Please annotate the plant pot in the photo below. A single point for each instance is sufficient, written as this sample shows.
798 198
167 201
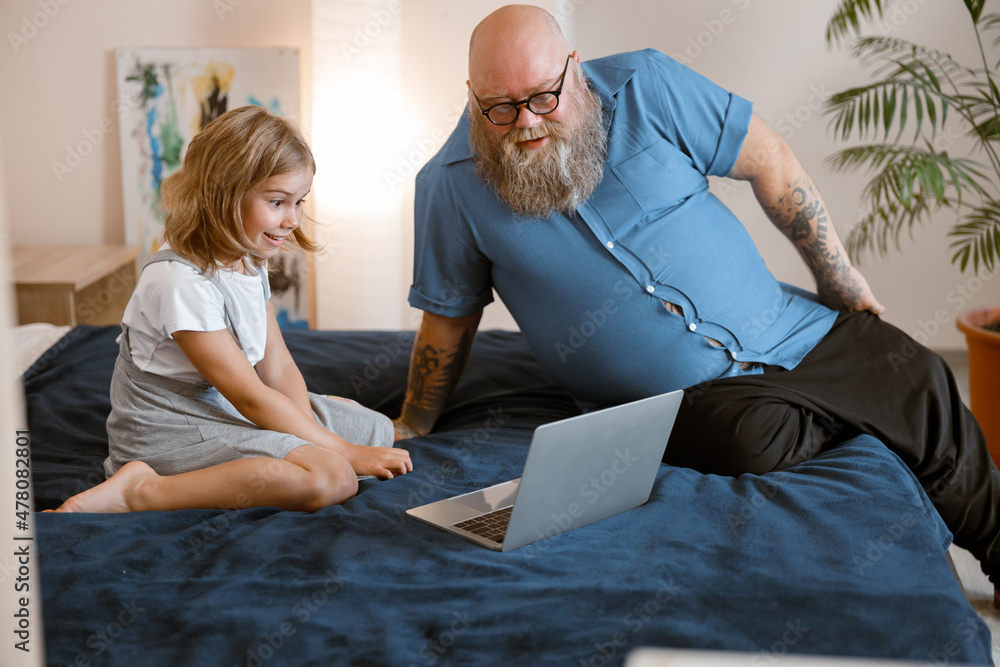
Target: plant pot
984 372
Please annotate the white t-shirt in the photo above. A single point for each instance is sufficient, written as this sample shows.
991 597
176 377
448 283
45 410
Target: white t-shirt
171 296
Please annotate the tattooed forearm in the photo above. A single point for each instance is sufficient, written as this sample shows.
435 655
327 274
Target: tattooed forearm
426 362
801 216
792 202
434 371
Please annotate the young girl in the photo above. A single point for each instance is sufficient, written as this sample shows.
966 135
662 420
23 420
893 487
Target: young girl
208 408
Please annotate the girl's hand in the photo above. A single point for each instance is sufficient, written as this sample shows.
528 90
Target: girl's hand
383 462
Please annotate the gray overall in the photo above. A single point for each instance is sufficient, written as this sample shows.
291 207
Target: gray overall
177 426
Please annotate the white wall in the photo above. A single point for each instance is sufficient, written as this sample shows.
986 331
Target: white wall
59 90
60 84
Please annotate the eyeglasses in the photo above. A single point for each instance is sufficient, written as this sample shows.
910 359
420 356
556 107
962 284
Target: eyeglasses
539 103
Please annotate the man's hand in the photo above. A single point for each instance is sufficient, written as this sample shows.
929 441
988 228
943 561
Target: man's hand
848 291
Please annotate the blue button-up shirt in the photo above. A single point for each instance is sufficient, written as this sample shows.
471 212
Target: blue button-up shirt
588 289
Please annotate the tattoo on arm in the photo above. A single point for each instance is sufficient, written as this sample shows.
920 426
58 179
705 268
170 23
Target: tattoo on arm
435 373
802 218
425 363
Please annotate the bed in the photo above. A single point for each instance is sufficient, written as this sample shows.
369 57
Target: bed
840 556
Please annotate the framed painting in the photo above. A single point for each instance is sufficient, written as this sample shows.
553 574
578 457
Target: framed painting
165 97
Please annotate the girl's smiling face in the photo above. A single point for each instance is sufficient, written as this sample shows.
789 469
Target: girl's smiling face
273 210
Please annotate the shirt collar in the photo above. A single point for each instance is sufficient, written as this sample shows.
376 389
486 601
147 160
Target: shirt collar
605 78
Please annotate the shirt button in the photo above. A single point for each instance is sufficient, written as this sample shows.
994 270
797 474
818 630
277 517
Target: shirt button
610 245
650 289
692 326
735 357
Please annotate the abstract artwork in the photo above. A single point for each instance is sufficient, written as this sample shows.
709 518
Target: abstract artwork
165 97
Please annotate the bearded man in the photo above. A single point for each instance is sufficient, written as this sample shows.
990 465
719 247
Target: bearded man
579 193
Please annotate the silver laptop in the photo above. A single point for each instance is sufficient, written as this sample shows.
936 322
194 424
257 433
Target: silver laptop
578 471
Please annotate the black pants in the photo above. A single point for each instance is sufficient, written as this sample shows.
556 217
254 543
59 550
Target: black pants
865 376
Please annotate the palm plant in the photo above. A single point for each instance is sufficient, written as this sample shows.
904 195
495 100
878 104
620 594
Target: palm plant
919 87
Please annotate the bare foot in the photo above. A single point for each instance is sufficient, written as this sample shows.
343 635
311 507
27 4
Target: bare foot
117 494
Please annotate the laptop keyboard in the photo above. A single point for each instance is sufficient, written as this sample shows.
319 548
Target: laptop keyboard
492 525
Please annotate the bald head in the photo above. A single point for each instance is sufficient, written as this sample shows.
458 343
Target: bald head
513 45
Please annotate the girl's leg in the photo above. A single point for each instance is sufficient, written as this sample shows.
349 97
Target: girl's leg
307 479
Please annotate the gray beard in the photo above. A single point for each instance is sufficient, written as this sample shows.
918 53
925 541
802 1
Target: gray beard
558 177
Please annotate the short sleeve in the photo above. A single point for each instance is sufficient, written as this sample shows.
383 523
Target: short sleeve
176 298
451 275
705 121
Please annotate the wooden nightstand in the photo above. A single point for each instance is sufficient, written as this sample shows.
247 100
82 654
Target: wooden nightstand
73 284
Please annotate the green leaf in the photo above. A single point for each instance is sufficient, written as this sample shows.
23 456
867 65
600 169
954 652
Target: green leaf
995 91
989 130
907 181
934 181
975 8
865 109
956 181
847 18
875 113
977 237
989 251
871 107
902 112
931 115
931 77
889 110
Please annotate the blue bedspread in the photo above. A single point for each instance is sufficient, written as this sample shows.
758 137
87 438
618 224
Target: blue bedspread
842 555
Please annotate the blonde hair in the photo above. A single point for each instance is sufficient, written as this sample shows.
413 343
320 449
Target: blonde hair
234 154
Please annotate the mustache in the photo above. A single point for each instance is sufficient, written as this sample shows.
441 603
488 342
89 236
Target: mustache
547 128
560 176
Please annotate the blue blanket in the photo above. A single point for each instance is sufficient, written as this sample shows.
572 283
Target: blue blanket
842 555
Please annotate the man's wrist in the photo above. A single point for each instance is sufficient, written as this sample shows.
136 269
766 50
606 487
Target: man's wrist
417 420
